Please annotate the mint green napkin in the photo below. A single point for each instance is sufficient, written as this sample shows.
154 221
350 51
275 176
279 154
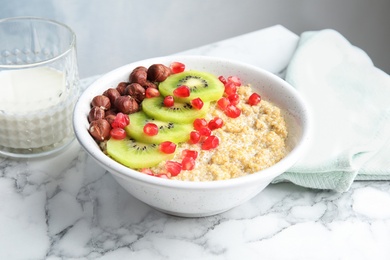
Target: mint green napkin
350 103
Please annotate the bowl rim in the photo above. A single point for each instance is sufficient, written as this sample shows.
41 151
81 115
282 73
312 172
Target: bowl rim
119 170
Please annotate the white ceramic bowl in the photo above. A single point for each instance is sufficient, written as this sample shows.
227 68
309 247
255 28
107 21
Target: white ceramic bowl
197 199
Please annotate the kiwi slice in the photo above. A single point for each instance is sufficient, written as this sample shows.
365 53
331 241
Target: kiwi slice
136 155
171 131
202 84
180 112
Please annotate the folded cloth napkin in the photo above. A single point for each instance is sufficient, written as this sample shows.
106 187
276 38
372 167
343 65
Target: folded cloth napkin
350 104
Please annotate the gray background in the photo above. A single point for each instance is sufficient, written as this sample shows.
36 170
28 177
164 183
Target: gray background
111 33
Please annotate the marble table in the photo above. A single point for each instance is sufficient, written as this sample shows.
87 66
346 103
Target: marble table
65 206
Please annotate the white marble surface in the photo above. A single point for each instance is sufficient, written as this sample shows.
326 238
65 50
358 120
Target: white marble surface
67 207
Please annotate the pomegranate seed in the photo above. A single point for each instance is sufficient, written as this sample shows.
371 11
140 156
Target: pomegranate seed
215 123
254 99
150 129
234 99
222 79
162 175
230 88
120 121
167 147
223 102
147 171
174 168
205 131
211 142
199 123
182 91
118 133
188 163
197 103
190 153
194 137
169 101
236 80
232 111
177 67
152 92
126 118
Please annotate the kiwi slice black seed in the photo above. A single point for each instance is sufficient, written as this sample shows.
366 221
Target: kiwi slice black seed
202 84
136 155
167 131
180 112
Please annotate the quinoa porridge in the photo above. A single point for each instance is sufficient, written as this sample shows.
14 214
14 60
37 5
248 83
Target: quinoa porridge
250 143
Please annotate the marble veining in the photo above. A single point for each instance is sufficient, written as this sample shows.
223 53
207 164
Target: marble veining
65 206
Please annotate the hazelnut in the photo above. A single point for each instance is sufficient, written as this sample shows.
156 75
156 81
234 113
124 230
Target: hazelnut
121 87
126 104
112 94
111 112
110 118
102 102
100 129
136 91
96 113
138 75
149 84
158 72
110 115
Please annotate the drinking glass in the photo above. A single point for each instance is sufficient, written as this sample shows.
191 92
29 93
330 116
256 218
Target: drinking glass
39 85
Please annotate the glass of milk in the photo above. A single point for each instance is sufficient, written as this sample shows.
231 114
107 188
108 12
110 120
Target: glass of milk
39 86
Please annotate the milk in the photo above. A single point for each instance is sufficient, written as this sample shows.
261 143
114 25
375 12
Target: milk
35 108
23 91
